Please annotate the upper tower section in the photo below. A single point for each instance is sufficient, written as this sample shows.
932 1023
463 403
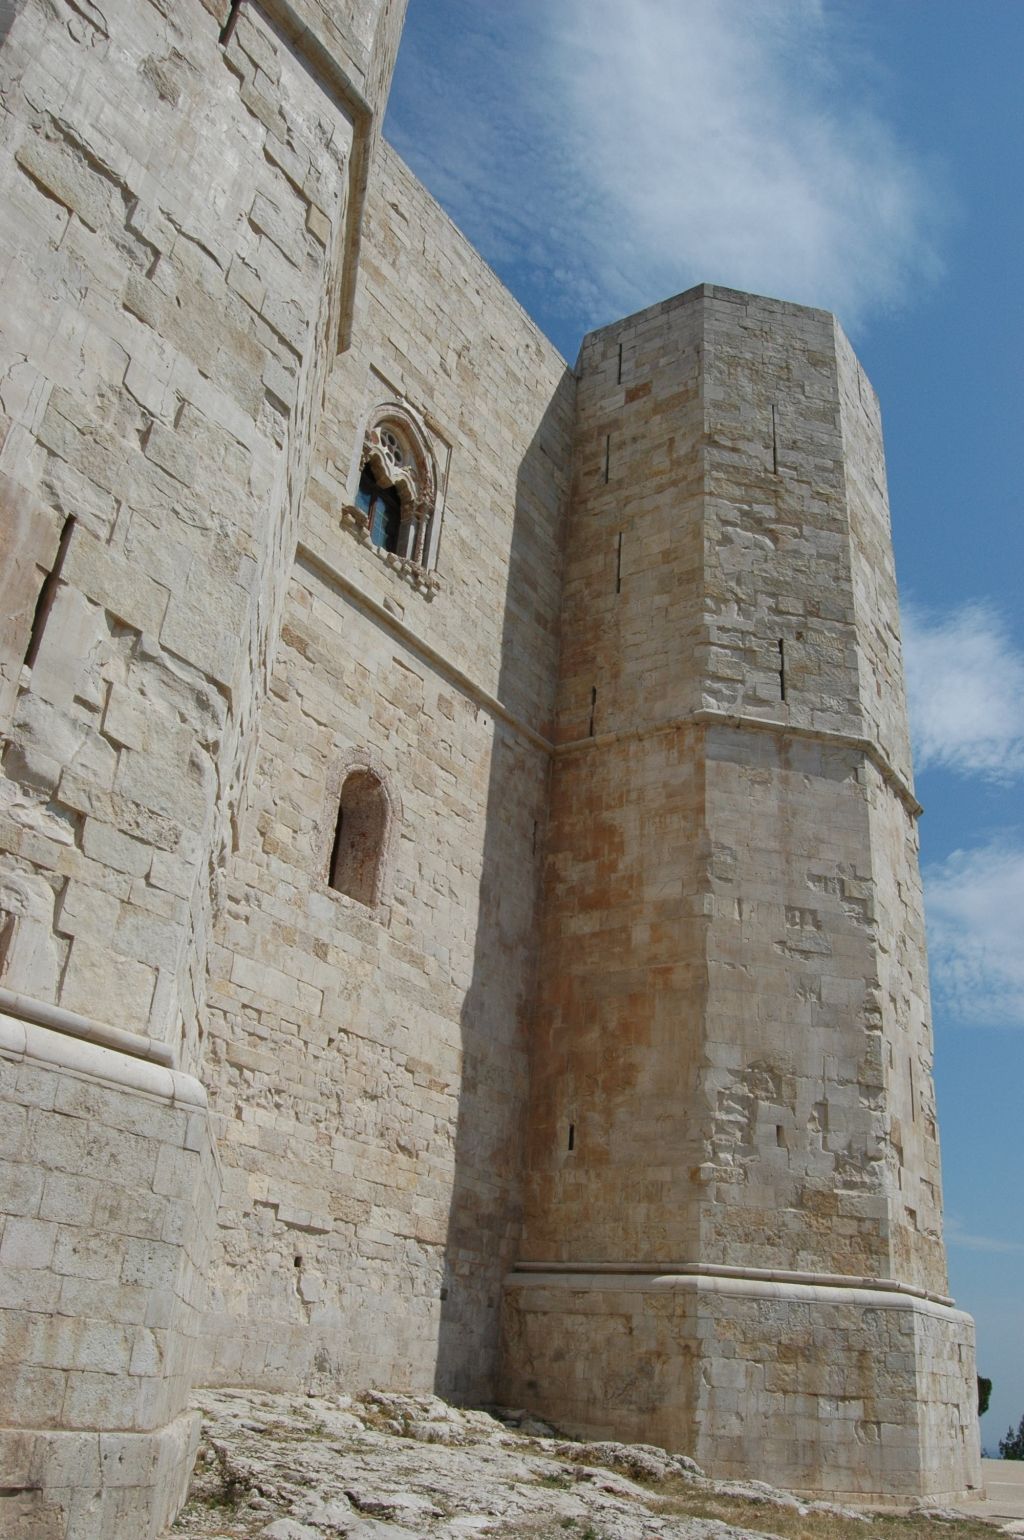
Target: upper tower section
730 465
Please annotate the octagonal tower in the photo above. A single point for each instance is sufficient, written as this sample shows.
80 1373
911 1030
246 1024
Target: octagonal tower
733 1242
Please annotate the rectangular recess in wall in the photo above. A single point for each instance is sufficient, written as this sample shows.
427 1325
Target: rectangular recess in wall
775 441
572 1136
782 668
619 377
618 565
607 456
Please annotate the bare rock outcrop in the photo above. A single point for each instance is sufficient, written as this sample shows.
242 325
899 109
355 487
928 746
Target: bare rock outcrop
396 1467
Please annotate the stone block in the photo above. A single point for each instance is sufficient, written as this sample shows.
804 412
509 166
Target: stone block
125 592
99 1400
110 847
87 912
101 982
32 1397
127 718
27 1242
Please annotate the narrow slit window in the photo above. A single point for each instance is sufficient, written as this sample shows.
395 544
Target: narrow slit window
572 1136
48 593
232 21
357 855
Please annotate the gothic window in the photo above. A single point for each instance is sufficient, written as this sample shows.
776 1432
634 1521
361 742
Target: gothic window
394 508
360 837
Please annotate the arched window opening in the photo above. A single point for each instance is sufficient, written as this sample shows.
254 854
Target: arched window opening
395 505
357 856
383 509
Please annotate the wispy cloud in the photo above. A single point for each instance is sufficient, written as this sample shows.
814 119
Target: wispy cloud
975 903
965 683
618 151
956 1235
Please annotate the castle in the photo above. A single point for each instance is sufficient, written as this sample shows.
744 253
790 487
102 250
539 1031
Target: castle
460 922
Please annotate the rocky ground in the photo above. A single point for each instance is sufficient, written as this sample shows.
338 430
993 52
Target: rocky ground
389 1467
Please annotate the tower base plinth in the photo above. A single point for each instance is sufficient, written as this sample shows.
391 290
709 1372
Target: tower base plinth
865 1392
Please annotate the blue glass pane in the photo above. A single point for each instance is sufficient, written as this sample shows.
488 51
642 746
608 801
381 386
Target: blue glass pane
386 519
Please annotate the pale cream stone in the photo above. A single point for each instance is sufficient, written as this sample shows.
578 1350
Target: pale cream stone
634 711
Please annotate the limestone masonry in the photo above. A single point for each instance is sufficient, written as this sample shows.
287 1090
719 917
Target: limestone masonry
460 922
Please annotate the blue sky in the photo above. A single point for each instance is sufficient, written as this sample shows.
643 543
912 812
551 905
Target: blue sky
866 156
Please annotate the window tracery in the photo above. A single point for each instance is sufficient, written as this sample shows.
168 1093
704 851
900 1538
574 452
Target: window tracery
394 507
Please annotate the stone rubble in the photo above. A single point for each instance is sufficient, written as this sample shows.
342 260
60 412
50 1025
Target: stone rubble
397 1467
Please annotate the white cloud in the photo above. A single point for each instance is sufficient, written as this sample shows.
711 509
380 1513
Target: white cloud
965 683
975 907
622 150
956 1235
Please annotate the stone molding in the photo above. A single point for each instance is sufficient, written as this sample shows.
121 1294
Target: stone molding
708 718
317 564
26 1040
305 555
58 1019
854 1415
409 571
113 1188
75 1485
665 1274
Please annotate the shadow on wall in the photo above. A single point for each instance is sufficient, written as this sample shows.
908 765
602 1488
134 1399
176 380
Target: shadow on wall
486 1204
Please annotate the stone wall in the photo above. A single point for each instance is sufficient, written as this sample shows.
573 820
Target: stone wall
851 1392
367 1063
182 209
168 313
669 696
108 1188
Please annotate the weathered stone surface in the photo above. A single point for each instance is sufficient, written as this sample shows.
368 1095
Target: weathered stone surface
132 404
280 1467
731 1069
375 1252
615 663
